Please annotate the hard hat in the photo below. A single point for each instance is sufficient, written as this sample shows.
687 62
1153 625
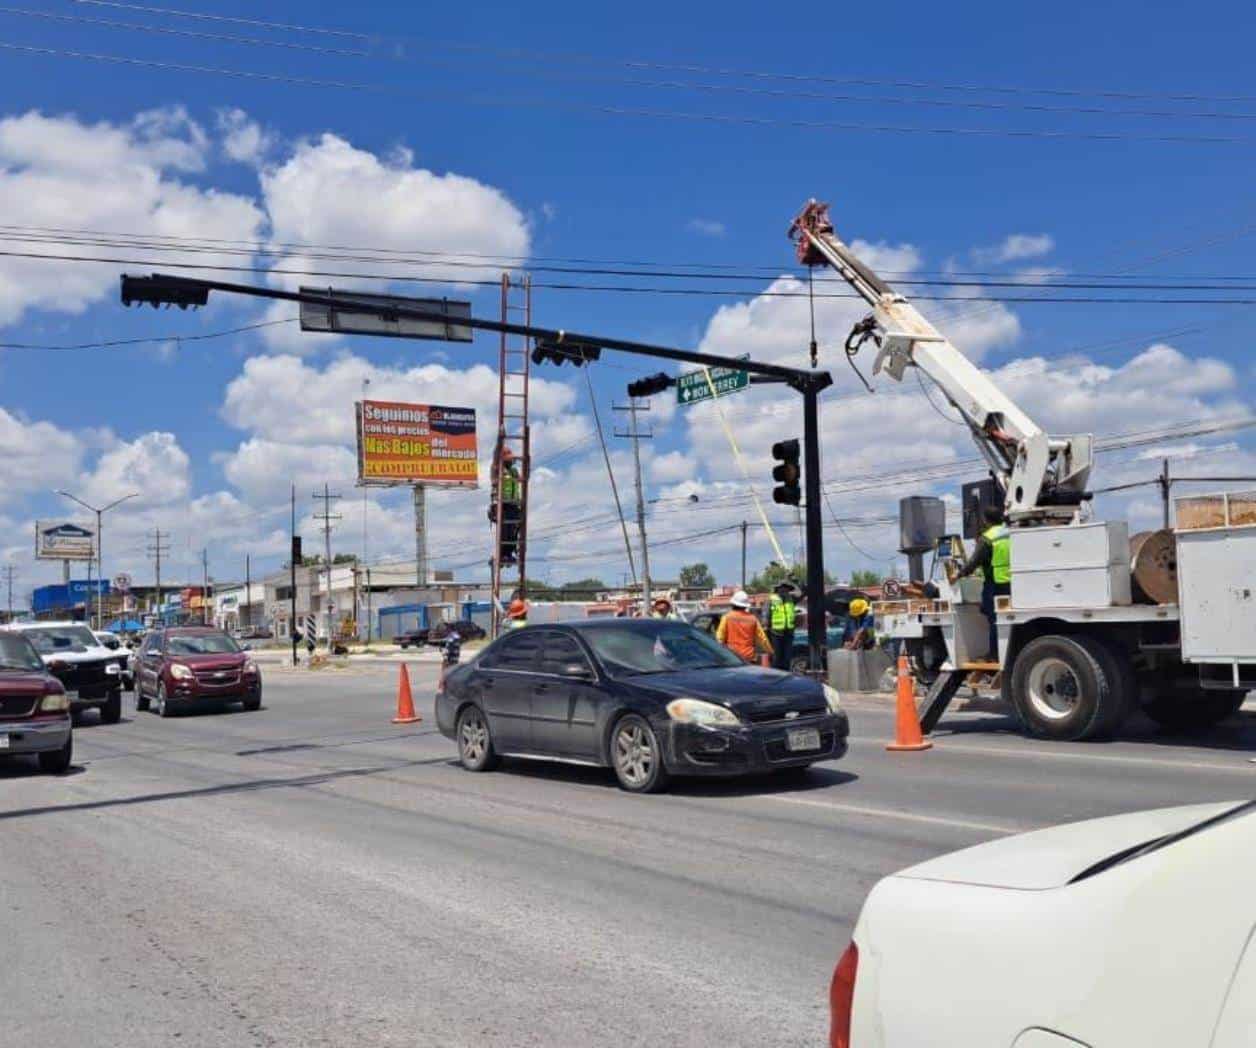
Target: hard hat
517 608
507 455
785 584
858 607
740 600
662 600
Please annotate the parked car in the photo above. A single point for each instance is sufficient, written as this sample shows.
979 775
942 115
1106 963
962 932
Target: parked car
706 621
1133 931
411 638
34 710
465 628
187 666
650 698
90 673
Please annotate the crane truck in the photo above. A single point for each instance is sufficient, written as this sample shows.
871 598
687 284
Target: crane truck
1080 644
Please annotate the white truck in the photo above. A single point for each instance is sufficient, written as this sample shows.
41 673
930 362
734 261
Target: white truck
1079 644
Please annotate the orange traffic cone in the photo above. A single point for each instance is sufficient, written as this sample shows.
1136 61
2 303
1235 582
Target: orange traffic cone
405 701
907 734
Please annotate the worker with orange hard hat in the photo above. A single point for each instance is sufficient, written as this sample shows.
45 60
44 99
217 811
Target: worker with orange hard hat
516 614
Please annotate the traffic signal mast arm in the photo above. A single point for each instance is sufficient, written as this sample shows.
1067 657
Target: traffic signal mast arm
1044 477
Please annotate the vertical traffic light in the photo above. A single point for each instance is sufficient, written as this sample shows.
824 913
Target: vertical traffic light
787 474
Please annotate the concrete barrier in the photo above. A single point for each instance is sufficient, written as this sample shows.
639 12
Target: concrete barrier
858 670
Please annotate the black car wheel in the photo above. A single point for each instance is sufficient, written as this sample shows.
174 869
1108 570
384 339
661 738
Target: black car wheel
57 762
162 708
475 741
637 756
111 711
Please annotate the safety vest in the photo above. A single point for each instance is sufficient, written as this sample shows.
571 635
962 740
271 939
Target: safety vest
510 487
1000 552
783 614
740 630
514 624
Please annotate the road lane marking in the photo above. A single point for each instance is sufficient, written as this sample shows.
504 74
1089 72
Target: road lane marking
1094 757
891 813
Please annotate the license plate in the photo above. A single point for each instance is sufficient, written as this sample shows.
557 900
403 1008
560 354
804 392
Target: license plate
4 742
803 739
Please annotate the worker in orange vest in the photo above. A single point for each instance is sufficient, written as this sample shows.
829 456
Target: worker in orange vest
740 631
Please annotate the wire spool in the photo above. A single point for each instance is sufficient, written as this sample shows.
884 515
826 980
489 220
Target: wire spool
1153 567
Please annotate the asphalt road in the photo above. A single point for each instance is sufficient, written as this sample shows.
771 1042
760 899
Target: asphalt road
311 874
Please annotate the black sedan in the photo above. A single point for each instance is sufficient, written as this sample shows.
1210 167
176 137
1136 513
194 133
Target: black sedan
649 698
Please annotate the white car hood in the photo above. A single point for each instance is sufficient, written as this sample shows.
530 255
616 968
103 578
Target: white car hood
1049 858
91 654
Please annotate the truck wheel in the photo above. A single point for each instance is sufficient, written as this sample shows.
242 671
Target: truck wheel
1062 690
1188 709
1119 669
57 762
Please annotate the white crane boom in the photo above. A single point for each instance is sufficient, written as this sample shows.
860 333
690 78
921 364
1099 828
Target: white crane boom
1044 478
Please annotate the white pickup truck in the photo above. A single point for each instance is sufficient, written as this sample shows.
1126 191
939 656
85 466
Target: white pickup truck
90 672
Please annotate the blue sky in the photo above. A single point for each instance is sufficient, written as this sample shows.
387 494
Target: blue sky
486 123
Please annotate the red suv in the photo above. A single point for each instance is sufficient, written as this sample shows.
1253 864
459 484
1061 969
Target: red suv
186 666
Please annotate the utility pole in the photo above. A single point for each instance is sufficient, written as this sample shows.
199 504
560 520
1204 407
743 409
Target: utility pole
100 511
368 606
155 551
328 518
9 572
204 586
744 526
634 433
420 535
1165 482
292 594
248 591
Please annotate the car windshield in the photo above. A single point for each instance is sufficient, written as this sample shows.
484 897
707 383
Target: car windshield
200 644
657 647
51 640
16 653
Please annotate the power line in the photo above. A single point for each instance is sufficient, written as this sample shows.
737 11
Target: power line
120 342
724 71
725 119
530 69
623 289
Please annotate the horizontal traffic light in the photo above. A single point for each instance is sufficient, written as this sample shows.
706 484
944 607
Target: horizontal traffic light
553 352
787 474
159 290
651 384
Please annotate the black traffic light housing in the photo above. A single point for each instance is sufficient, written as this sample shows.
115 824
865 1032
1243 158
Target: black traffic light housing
651 384
158 290
559 352
788 474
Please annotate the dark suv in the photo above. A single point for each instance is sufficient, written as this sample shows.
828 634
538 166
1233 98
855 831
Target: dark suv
187 666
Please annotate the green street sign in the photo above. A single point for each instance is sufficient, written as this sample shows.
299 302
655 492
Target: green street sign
693 386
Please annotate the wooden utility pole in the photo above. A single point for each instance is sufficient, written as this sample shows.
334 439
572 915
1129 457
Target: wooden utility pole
744 526
328 518
636 436
155 551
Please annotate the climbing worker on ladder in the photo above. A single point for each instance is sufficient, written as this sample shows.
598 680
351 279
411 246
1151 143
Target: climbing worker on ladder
740 630
512 507
993 558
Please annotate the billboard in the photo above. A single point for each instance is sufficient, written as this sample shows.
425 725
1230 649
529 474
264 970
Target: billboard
416 444
64 540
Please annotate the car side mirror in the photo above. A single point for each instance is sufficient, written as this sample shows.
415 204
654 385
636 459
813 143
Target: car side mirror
576 671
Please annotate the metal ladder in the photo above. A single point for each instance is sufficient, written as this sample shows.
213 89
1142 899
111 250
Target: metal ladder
512 432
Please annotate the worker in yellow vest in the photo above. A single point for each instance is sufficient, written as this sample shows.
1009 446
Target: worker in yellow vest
516 616
782 615
992 558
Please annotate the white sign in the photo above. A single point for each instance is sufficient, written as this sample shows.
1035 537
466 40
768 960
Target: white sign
64 540
122 582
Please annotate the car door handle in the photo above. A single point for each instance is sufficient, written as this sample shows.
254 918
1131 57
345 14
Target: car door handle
539 688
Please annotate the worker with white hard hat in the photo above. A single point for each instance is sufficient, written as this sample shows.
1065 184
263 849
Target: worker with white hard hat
740 631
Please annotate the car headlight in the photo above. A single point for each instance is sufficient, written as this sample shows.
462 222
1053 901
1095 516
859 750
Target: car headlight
704 714
833 699
180 672
250 668
55 702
